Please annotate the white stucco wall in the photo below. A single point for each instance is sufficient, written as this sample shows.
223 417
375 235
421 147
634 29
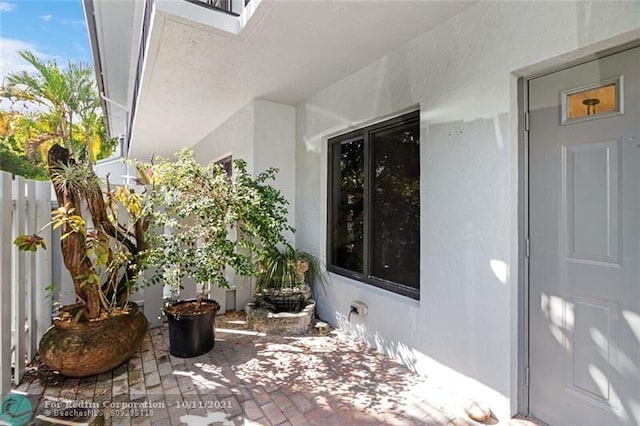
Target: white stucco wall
274 146
233 137
115 169
463 331
263 134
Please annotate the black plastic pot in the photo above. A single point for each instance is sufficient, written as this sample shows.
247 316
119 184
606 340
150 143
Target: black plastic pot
192 335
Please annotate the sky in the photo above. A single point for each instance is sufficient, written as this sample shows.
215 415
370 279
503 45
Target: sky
52 29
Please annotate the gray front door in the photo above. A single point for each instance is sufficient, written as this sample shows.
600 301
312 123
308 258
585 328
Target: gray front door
584 225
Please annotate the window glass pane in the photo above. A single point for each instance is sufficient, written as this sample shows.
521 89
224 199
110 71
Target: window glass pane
348 215
227 165
592 102
395 250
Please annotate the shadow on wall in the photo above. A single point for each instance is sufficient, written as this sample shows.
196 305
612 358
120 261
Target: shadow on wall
394 349
460 330
599 377
463 320
451 395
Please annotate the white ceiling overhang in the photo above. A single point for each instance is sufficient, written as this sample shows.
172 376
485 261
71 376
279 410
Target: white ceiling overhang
196 75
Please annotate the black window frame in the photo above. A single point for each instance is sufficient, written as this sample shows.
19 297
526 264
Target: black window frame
227 164
364 135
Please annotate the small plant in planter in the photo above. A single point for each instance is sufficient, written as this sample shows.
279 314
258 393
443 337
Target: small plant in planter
213 221
287 277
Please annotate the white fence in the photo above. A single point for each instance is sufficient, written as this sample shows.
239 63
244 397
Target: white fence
25 303
25 307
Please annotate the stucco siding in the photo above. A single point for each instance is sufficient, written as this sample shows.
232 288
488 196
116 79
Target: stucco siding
263 134
274 146
233 137
462 75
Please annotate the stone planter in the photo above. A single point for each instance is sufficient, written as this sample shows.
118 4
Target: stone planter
265 320
287 299
93 347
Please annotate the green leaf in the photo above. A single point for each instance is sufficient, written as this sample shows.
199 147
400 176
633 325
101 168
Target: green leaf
29 242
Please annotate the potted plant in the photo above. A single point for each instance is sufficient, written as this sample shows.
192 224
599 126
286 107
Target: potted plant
213 221
287 277
103 329
102 246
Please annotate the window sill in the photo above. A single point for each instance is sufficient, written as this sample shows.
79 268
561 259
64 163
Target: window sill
405 292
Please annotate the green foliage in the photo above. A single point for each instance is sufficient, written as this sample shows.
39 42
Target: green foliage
61 217
54 105
29 242
112 251
57 124
17 163
92 279
104 262
288 268
70 177
64 92
74 223
212 221
49 292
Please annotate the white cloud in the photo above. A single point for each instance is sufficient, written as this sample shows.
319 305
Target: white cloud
46 18
11 61
73 22
6 6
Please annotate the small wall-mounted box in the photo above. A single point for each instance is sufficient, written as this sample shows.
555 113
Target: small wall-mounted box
359 308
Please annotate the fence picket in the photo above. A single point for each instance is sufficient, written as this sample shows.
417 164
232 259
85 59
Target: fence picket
31 335
6 248
25 312
25 301
44 271
18 281
153 302
67 290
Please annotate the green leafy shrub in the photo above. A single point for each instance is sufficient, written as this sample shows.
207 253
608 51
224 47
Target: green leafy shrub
207 221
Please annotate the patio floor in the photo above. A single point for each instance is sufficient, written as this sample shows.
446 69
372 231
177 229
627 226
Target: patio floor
251 378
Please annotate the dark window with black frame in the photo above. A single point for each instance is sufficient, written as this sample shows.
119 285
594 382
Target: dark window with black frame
227 165
374 205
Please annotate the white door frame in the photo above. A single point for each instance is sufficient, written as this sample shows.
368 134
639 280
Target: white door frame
523 214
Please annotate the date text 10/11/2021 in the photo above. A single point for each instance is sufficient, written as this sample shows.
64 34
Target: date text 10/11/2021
216 405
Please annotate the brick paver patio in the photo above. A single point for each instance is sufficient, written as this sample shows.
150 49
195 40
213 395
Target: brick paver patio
250 378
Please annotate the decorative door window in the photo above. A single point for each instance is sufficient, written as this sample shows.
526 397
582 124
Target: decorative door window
591 101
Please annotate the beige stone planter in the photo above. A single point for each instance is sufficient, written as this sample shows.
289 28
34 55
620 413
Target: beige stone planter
263 320
90 348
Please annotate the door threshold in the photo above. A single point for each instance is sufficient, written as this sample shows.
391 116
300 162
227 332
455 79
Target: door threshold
521 420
